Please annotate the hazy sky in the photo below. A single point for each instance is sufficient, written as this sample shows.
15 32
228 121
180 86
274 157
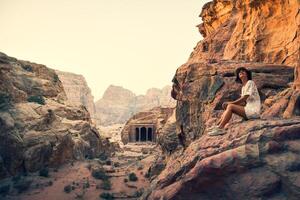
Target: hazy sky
137 44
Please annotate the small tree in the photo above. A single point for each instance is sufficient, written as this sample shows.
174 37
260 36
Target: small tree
132 177
36 99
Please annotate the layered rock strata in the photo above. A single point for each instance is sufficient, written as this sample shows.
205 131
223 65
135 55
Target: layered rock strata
37 128
77 91
255 159
265 31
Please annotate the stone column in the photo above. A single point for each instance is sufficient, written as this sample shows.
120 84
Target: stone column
147 134
140 134
154 134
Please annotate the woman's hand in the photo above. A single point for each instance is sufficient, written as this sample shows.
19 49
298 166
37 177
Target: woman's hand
225 104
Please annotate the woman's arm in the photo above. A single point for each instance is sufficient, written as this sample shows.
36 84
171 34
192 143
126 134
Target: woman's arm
240 101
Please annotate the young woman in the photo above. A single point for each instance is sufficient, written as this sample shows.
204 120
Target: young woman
247 106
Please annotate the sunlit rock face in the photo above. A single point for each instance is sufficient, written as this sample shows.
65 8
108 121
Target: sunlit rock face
119 104
254 30
38 128
255 159
77 91
208 85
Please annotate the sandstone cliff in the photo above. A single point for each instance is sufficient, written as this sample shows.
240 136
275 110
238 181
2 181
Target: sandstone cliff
246 151
37 128
255 159
254 30
118 104
77 90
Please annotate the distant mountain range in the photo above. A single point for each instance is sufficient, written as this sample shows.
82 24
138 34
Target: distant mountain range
118 104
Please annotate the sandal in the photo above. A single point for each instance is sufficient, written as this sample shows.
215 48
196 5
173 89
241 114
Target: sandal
216 131
212 127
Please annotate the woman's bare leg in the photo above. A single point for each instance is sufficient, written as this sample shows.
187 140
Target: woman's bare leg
220 120
222 117
231 108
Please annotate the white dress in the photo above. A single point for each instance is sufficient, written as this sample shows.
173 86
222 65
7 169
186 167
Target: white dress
253 105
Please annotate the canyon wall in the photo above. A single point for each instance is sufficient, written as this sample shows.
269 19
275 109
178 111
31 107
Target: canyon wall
38 128
254 159
254 30
118 104
77 91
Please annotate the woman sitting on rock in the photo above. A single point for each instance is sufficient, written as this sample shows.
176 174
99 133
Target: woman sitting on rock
247 106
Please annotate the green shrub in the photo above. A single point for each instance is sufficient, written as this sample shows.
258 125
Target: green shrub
132 177
140 158
99 174
44 172
4 101
16 178
55 78
23 185
27 68
139 193
103 157
106 185
67 188
108 162
106 195
36 99
117 164
89 157
4 190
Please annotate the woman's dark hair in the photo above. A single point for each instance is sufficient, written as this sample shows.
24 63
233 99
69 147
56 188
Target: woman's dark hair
238 70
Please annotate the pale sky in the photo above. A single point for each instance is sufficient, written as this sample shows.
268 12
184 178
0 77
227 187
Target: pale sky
137 44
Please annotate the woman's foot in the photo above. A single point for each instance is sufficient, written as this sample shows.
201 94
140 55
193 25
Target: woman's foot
227 126
212 127
216 131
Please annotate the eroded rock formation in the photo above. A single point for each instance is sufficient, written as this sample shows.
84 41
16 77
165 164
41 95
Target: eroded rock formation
255 30
207 86
118 104
77 91
255 159
37 128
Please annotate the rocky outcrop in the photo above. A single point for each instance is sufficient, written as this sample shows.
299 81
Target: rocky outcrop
37 128
204 88
157 117
118 104
77 91
255 159
255 30
207 86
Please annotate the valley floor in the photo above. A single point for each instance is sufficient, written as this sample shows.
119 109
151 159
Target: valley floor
84 179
